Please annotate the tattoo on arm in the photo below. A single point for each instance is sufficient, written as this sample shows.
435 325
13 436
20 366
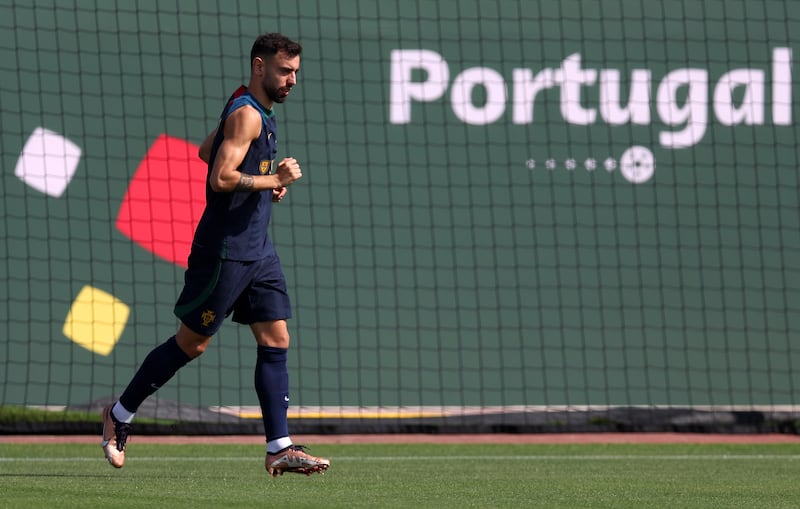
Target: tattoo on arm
245 183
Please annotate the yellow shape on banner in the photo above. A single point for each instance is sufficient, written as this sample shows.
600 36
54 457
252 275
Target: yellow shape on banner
96 320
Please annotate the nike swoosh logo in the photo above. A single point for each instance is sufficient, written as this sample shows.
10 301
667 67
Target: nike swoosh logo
104 443
286 398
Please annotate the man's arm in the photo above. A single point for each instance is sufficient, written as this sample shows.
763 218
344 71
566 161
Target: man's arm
205 148
241 128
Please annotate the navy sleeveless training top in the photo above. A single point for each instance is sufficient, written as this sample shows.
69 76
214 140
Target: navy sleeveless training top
234 225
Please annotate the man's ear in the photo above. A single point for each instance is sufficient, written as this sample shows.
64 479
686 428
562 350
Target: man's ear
258 66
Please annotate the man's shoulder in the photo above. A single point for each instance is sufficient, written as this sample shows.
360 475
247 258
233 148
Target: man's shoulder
245 109
245 116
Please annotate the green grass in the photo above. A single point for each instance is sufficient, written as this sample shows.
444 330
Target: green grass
13 414
412 475
10 414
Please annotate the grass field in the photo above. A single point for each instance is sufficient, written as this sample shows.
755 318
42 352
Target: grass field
408 475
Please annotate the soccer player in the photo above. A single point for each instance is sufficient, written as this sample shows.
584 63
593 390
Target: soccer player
233 267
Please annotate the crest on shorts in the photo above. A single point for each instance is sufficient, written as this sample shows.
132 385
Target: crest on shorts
208 317
266 166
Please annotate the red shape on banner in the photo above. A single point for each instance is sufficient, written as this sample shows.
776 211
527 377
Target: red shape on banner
165 199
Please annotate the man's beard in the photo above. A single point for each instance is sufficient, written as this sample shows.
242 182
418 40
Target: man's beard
277 94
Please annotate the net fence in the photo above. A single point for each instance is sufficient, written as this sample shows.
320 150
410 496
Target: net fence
514 215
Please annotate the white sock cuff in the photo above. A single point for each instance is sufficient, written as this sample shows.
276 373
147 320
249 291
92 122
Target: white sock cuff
278 444
122 414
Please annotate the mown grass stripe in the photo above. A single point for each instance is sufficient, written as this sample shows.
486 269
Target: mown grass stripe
598 457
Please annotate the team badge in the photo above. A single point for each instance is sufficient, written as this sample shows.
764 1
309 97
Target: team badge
208 317
266 166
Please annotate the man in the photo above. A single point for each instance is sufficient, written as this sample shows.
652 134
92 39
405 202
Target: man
233 267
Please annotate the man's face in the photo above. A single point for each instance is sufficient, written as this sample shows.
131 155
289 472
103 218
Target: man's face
280 75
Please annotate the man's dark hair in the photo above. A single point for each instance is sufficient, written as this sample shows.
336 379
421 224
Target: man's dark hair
270 44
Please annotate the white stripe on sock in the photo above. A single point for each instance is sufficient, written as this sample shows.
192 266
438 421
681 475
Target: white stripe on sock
122 414
278 444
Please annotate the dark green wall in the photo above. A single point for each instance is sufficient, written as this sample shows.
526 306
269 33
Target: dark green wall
433 262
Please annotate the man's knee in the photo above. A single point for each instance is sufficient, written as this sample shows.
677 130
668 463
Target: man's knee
273 334
191 343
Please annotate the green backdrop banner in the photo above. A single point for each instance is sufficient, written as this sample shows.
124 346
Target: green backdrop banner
504 202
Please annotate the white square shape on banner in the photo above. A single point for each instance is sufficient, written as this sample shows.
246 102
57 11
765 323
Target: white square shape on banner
48 162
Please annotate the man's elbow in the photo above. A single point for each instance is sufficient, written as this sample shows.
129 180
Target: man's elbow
229 182
221 186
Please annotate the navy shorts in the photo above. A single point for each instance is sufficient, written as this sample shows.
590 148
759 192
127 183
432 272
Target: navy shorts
254 291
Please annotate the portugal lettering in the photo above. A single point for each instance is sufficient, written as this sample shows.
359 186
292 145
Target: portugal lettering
682 96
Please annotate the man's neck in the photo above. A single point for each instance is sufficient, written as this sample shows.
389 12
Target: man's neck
260 96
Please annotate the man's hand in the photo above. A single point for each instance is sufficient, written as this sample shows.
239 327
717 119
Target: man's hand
288 171
278 194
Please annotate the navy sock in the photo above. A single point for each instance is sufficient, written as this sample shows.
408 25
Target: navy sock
158 367
272 387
